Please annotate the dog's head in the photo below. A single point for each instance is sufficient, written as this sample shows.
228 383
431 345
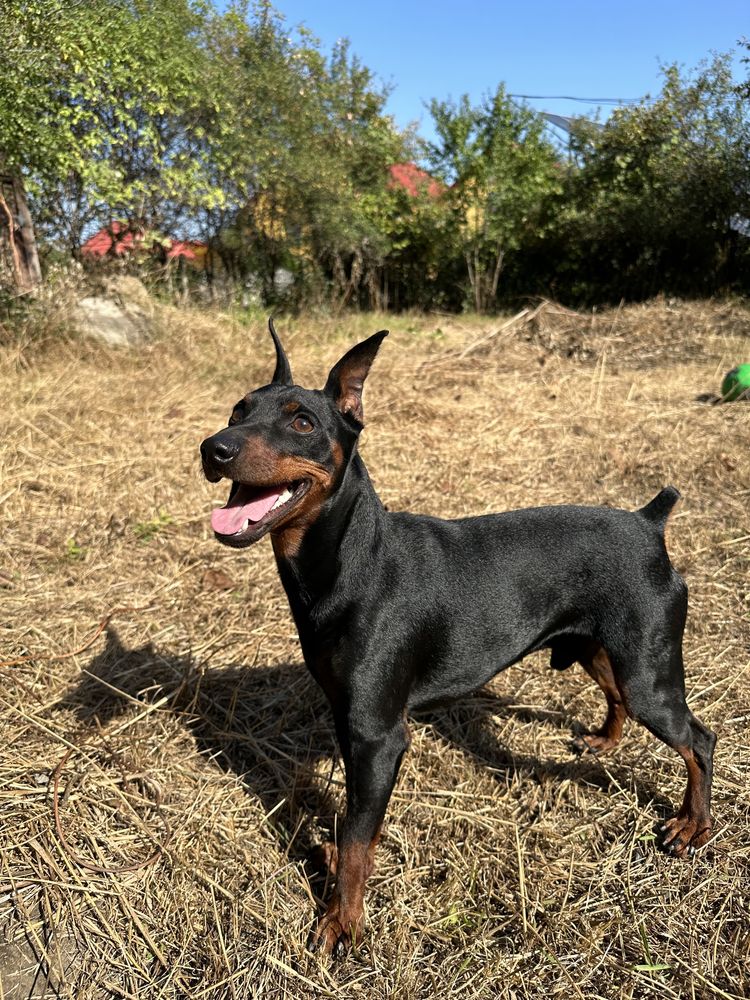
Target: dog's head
286 448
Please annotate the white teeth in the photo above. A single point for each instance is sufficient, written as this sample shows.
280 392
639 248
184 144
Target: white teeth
286 495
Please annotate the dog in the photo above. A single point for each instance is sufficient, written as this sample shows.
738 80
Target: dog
400 611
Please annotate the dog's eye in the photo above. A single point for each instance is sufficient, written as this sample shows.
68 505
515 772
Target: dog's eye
238 414
302 424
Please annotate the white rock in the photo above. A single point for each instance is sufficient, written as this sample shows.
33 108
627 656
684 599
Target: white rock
106 321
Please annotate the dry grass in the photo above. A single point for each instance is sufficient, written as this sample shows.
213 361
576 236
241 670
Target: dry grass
202 764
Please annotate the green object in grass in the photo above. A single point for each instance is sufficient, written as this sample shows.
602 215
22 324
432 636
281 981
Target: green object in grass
736 384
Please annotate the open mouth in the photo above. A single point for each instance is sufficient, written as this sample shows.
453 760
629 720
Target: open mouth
251 511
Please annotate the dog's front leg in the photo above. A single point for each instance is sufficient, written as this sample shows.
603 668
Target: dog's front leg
372 756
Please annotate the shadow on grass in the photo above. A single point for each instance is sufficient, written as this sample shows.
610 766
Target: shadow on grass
271 726
470 723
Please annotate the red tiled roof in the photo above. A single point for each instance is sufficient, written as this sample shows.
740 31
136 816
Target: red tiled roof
118 239
183 248
412 178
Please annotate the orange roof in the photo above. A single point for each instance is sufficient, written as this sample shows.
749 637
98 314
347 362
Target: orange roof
413 180
118 239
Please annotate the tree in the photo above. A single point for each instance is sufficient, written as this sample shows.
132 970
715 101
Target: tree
98 100
499 170
302 157
660 192
17 233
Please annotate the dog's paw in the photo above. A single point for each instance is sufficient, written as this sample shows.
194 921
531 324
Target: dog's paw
683 835
593 743
336 931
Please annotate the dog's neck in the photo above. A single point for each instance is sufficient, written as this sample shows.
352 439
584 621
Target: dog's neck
338 545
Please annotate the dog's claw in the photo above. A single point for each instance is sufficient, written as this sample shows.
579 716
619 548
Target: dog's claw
317 945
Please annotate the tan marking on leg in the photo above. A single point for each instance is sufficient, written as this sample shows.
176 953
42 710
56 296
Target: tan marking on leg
343 921
691 827
599 668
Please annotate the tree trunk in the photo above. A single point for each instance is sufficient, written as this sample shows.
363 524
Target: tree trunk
15 219
472 278
184 286
498 269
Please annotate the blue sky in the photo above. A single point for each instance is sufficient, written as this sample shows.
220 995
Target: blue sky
579 47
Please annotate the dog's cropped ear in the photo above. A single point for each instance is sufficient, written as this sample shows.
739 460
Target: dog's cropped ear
347 377
283 371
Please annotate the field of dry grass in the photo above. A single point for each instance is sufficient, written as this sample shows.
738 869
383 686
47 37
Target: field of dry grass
161 786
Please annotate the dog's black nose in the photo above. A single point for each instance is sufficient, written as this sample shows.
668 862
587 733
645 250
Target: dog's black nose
220 450
217 452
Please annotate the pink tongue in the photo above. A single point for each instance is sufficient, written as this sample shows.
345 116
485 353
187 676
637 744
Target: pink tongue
231 519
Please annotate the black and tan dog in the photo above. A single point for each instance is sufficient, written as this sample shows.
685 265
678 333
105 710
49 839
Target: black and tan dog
400 611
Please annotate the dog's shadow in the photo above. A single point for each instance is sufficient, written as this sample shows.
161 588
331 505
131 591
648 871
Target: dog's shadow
471 724
272 727
269 725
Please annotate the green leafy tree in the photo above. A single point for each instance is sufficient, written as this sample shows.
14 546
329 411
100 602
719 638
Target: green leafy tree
422 269
98 102
349 232
743 89
659 192
499 169
302 157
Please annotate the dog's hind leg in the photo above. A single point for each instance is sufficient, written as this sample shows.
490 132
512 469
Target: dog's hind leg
691 827
653 690
597 665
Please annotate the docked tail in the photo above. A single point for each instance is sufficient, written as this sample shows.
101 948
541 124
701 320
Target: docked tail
658 510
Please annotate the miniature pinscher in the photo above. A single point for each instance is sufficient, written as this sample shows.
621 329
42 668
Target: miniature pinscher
399 611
